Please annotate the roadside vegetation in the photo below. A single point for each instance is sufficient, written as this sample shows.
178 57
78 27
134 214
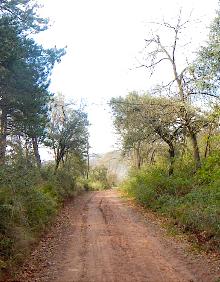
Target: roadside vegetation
171 132
31 192
100 178
189 200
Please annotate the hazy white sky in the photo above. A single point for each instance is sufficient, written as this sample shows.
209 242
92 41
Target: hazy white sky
104 37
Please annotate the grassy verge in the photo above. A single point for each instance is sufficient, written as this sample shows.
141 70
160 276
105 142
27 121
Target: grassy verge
191 201
29 201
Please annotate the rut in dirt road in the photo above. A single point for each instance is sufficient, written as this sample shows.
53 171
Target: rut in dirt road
106 240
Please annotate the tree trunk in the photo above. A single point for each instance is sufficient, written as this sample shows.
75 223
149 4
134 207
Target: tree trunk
3 136
58 160
169 141
196 152
138 157
88 166
208 143
152 159
36 151
172 158
183 98
59 156
26 149
207 147
57 165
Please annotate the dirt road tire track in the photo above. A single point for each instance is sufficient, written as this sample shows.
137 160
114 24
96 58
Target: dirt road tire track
101 239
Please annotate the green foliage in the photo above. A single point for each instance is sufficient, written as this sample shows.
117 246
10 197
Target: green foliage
25 70
210 171
30 195
207 64
192 201
29 200
148 184
147 123
24 14
98 178
67 132
199 211
39 207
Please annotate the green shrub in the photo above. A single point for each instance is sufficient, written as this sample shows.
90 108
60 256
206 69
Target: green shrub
98 178
210 170
40 207
29 199
193 202
200 210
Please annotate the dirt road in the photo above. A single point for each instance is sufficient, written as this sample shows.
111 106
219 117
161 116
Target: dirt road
99 238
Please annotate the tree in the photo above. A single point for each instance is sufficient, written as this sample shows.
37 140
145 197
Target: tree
133 132
23 14
159 51
206 68
67 132
143 118
25 69
98 178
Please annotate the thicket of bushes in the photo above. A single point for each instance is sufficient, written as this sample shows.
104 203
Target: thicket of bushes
29 200
192 200
170 131
100 179
32 116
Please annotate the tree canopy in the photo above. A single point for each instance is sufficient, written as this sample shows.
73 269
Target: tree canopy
25 70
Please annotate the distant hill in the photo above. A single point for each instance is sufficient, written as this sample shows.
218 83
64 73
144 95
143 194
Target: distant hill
113 161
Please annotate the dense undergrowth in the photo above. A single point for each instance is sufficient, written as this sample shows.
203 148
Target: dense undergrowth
29 201
99 179
191 200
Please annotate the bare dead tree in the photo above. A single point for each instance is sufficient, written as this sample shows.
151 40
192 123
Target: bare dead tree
157 51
